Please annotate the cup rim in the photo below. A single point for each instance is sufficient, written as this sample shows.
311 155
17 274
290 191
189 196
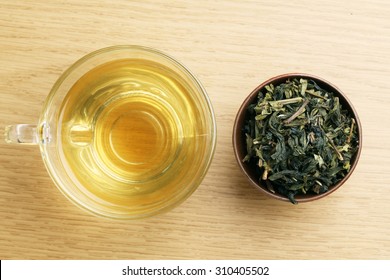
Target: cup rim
237 137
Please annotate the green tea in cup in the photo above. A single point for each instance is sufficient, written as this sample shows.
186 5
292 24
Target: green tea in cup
126 132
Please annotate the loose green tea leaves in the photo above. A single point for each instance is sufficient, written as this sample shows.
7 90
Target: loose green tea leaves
300 138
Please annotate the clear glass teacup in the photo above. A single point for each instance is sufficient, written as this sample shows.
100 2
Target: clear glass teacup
126 132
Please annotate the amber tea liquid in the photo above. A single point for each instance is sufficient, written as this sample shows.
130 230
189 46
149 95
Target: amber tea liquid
130 132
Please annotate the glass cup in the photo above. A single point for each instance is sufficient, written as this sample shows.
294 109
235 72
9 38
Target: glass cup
126 132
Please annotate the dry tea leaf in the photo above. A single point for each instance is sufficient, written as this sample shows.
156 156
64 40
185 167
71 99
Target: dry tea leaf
300 138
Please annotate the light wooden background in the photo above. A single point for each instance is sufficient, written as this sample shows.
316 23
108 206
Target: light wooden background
231 46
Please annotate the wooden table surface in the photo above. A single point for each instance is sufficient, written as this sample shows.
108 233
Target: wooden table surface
231 46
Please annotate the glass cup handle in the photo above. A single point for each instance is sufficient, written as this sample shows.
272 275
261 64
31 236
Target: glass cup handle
21 134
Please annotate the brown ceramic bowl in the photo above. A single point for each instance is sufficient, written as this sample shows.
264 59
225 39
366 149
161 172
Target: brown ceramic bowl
239 144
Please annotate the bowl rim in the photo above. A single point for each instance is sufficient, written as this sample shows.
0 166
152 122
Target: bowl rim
237 135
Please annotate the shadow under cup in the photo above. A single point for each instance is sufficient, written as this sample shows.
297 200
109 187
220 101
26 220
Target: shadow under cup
127 132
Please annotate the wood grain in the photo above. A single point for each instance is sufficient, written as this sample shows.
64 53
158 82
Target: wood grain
231 46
